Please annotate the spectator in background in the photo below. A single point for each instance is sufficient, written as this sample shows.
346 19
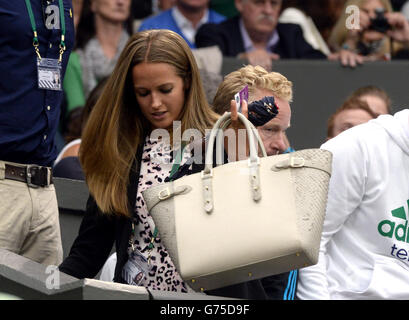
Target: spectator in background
73 87
185 18
377 99
315 17
324 13
74 125
67 164
261 84
142 9
370 42
352 113
211 82
256 35
29 115
162 5
102 33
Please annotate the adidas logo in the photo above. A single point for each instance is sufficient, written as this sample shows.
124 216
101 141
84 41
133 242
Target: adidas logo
391 229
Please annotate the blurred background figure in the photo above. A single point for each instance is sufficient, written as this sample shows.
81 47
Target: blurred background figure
257 36
142 9
372 40
184 18
162 5
67 164
315 17
353 112
72 83
77 9
103 30
377 99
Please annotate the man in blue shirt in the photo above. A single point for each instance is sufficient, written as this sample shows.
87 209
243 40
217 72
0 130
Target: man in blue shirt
184 18
36 38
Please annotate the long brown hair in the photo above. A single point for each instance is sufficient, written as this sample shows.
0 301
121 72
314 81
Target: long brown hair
117 127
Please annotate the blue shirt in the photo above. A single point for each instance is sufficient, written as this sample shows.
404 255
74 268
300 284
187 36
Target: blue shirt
165 20
28 115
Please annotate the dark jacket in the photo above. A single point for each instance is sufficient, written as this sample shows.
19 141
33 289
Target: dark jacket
98 232
227 37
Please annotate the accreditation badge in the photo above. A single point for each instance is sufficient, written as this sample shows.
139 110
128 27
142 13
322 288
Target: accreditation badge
49 74
136 269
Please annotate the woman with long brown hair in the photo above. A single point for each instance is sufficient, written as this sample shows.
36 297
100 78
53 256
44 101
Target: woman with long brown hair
155 82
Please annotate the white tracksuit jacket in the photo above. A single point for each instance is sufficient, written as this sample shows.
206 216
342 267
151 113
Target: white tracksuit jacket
364 251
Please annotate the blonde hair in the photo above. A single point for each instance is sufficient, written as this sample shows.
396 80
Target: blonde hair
339 33
255 77
116 127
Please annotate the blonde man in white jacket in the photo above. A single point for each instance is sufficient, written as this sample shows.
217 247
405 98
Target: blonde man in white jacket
364 250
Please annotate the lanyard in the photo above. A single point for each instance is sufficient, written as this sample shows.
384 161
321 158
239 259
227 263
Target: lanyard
36 43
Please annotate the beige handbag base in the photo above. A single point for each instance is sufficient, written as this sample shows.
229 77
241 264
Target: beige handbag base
273 266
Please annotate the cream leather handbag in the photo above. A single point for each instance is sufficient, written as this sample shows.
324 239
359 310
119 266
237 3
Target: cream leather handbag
243 220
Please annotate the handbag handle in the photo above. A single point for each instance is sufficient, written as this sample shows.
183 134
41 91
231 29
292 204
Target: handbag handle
219 142
253 162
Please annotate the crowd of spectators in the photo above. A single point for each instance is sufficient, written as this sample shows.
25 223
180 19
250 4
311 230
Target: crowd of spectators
258 31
